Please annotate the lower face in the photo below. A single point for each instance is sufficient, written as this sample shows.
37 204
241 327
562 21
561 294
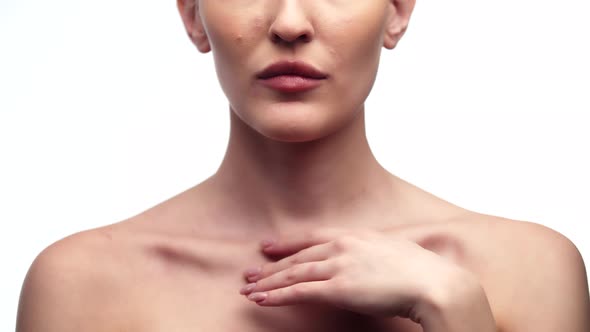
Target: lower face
345 43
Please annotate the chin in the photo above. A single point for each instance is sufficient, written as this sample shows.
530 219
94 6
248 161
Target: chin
295 122
290 132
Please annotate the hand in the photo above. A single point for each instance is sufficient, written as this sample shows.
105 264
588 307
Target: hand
366 272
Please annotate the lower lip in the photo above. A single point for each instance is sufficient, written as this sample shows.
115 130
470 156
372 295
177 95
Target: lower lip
291 83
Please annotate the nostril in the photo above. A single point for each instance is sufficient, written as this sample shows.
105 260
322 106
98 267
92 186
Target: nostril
304 38
301 38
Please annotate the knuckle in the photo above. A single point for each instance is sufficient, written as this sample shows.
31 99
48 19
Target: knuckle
291 274
299 291
312 269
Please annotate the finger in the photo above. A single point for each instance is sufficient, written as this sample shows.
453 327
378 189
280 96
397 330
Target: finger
306 292
312 254
313 271
288 245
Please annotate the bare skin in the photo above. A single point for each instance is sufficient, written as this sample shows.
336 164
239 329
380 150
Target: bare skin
296 165
163 272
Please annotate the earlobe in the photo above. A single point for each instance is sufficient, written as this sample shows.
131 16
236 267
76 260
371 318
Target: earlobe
397 21
189 12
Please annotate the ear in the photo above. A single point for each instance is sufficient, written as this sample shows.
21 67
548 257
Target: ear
397 21
189 11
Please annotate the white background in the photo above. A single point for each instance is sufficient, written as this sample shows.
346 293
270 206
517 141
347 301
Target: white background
105 108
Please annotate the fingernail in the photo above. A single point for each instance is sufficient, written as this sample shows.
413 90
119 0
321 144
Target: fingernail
253 271
267 243
248 288
253 278
257 297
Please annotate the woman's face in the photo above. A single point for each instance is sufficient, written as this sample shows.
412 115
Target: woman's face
341 38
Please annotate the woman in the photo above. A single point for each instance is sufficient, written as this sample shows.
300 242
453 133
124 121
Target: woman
301 229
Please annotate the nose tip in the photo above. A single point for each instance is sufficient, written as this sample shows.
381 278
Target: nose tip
291 25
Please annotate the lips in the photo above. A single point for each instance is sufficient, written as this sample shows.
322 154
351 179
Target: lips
292 68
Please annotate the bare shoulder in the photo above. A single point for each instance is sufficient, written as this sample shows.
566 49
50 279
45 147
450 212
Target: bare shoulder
74 283
535 277
525 243
106 279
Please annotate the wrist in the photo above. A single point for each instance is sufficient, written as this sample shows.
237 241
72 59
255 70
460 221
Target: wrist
456 303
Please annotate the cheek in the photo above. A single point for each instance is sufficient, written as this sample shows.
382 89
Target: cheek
227 39
231 32
233 41
356 39
355 50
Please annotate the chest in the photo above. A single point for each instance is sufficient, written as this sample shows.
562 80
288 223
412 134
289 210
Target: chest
200 292
217 307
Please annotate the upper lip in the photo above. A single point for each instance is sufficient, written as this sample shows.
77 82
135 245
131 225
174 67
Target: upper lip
291 68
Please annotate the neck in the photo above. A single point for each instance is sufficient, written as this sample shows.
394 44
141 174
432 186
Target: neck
335 179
